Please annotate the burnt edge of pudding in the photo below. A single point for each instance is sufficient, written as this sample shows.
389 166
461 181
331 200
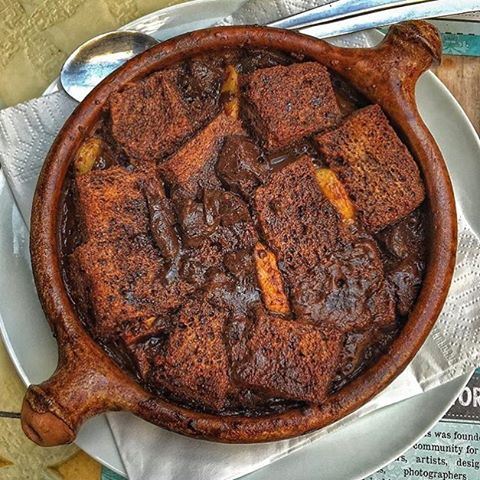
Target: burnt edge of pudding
212 222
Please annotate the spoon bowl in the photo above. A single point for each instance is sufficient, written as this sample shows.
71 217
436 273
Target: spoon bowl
94 60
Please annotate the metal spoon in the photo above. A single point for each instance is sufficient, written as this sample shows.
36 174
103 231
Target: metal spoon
94 60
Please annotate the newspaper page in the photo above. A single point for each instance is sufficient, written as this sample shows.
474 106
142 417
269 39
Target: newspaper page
451 450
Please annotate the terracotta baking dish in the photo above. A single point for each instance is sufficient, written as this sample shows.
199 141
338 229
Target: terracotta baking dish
88 382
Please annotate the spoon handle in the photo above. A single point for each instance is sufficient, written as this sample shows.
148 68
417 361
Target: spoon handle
336 10
357 20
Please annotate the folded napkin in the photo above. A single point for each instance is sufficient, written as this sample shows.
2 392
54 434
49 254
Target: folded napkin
148 452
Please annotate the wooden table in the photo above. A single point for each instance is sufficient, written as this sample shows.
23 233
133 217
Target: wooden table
461 75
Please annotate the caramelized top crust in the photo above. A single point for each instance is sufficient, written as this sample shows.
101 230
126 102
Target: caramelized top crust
192 167
141 117
285 104
289 359
376 168
230 282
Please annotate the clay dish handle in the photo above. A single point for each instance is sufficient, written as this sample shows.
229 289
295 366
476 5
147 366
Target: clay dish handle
53 411
388 72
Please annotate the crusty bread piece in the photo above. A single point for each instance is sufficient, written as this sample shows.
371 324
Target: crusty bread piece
192 167
194 364
123 282
111 204
297 220
376 168
289 359
333 271
149 118
284 104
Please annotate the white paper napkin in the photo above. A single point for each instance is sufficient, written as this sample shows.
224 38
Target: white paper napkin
148 452
262 12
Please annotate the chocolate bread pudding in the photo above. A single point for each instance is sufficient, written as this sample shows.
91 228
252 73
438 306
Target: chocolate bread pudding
241 235
243 232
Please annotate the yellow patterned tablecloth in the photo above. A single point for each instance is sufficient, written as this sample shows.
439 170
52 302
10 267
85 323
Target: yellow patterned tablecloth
35 38
37 35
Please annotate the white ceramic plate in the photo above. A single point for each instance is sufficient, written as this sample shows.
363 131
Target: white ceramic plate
350 453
